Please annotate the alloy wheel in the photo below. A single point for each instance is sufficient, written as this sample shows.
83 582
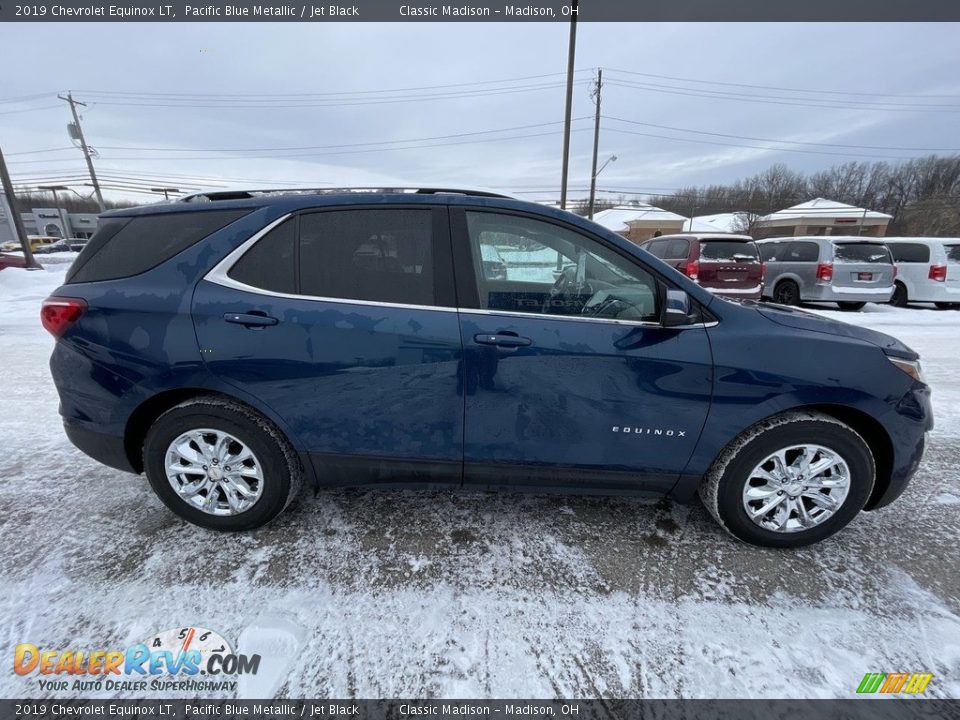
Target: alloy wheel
214 472
796 488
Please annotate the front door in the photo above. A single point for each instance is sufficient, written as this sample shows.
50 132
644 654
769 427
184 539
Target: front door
343 323
570 379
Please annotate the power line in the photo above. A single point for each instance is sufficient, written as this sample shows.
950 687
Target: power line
791 142
784 89
43 107
324 94
758 147
391 100
773 100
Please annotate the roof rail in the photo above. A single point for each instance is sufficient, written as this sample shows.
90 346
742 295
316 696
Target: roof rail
215 195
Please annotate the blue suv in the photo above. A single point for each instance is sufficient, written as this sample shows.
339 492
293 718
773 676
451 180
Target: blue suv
241 344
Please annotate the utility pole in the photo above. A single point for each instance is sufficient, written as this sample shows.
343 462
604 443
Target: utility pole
571 53
596 141
83 146
15 216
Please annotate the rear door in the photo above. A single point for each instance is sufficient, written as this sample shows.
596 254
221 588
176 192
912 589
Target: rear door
731 266
953 265
571 382
342 321
859 265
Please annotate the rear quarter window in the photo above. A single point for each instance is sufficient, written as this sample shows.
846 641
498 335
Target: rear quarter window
953 253
861 253
909 252
728 250
123 247
800 251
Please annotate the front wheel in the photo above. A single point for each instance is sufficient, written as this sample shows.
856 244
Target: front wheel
790 481
851 306
219 465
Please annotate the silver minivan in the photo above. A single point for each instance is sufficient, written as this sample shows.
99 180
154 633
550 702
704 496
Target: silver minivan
928 270
850 271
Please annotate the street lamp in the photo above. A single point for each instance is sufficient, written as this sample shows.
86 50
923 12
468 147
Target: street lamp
593 183
166 191
63 219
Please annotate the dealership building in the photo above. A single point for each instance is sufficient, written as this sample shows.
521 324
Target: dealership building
52 222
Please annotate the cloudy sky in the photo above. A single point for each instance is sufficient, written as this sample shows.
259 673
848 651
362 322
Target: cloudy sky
471 104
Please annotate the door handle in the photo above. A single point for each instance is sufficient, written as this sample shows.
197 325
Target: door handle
502 340
251 319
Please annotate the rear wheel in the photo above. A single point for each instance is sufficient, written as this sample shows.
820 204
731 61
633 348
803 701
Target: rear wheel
219 465
851 306
947 306
790 481
787 292
899 297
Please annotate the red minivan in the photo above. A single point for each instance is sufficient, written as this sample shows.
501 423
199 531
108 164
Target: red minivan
724 264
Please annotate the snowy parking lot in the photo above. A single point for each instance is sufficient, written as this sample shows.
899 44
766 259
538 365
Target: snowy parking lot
356 593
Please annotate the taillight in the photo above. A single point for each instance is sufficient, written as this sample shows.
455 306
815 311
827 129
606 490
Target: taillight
938 273
692 270
57 314
824 272
763 271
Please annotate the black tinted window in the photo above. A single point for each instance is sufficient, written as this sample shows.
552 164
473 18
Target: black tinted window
910 252
768 251
269 264
374 255
728 250
861 253
799 252
677 249
144 242
953 253
656 248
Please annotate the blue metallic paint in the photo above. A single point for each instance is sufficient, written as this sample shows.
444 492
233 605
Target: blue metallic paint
345 381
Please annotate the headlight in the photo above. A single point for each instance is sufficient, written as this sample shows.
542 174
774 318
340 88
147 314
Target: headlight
910 367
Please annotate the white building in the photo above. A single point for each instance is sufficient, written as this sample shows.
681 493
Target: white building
823 217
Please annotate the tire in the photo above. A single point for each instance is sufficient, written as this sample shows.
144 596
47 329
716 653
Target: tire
947 306
787 292
271 456
723 488
899 297
851 306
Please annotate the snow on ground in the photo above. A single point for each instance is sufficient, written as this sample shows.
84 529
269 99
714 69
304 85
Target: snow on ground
407 594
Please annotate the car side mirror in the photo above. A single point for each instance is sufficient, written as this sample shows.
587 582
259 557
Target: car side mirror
676 308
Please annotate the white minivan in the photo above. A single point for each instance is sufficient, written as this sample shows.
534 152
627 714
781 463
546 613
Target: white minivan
928 270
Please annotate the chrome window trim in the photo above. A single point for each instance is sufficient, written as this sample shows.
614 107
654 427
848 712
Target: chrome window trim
219 276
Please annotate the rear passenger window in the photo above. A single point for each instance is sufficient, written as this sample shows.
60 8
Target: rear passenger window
373 255
800 252
656 248
909 252
677 249
269 264
145 241
768 251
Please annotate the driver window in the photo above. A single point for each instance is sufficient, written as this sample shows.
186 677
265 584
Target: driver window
532 266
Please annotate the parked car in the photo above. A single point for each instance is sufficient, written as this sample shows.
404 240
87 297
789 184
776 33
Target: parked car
726 265
38 241
850 271
237 348
494 268
54 247
77 244
928 270
16 261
